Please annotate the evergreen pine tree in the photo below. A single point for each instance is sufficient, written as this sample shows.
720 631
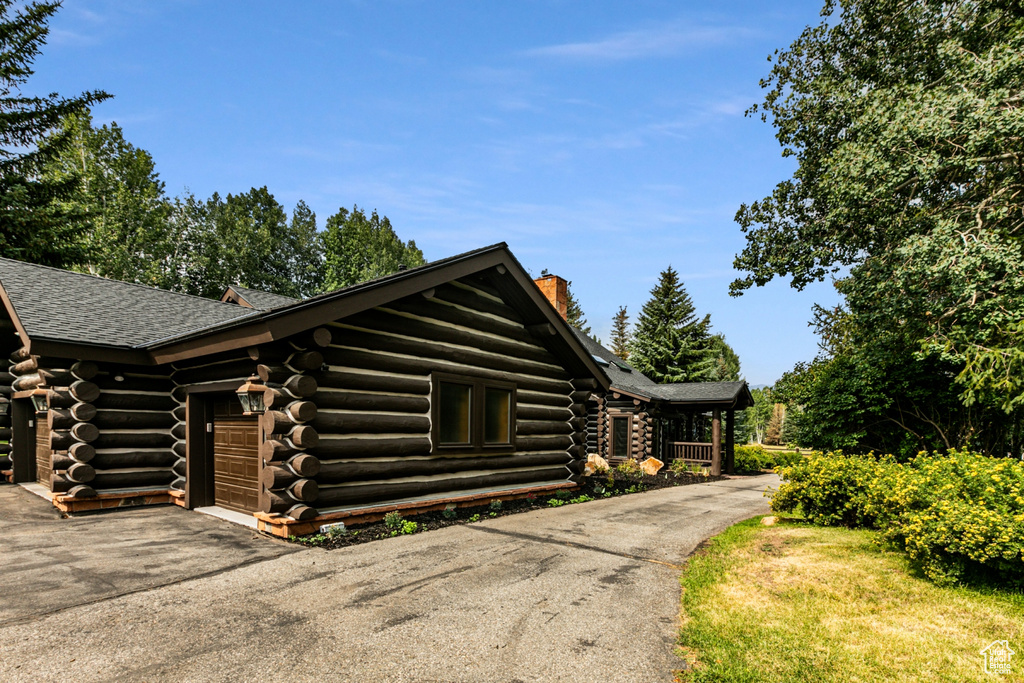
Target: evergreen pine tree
574 312
37 223
726 362
670 344
620 334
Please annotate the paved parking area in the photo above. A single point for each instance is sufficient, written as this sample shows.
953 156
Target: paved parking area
579 593
49 564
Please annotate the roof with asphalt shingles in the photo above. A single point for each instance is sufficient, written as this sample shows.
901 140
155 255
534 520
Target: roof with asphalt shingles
75 307
625 377
87 309
264 301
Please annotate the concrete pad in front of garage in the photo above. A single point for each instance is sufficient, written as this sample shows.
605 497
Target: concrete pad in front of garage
50 564
579 593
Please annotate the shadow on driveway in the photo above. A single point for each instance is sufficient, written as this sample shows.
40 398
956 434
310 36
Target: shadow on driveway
53 563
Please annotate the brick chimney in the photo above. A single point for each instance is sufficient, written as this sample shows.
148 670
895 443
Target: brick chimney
557 292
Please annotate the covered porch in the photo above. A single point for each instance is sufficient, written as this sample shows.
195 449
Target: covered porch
696 422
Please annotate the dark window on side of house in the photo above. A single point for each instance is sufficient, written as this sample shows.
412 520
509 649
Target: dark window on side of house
620 437
472 414
455 410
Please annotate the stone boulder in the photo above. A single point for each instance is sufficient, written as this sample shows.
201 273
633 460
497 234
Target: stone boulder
651 466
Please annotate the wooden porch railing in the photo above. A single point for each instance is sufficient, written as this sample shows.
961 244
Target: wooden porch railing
691 451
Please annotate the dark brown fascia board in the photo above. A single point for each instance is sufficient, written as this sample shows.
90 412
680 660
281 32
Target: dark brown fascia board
225 340
14 316
64 349
631 394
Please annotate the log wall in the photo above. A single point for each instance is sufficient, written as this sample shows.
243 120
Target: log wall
117 432
8 343
373 401
642 425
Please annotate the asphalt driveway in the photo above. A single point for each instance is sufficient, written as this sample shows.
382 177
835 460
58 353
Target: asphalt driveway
579 593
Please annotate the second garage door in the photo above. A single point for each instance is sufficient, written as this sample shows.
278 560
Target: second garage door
236 442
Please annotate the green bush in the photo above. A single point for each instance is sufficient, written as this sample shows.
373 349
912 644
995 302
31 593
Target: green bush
750 458
393 520
958 516
629 468
772 459
754 458
831 490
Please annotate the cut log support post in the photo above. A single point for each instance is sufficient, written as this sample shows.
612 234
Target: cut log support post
84 391
275 450
304 465
62 440
82 452
25 367
730 442
320 338
276 478
304 490
82 491
716 442
305 360
584 384
80 473
298 386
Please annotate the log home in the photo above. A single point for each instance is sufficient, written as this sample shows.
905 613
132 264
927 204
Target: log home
638 418
452 383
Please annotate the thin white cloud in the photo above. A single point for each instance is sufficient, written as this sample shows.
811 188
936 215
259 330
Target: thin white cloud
65 37
661 41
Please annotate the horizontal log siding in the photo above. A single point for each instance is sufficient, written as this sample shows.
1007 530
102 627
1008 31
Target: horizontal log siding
31 372
373 403
138 429
8 344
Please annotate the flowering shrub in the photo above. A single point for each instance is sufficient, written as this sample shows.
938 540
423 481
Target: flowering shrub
957 516
832 490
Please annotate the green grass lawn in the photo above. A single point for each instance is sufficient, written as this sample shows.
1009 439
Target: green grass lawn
793 602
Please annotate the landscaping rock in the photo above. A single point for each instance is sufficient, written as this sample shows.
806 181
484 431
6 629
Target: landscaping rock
594 463
651 466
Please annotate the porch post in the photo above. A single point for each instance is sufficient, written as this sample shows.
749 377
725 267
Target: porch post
730 441
716 442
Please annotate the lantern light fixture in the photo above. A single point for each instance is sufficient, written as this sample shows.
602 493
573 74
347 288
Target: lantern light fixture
5 405
40 400
250 395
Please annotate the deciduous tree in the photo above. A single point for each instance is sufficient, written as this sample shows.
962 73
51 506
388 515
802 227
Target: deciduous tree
358 247
906 120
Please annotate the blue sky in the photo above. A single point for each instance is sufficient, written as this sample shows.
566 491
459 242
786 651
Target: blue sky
601 140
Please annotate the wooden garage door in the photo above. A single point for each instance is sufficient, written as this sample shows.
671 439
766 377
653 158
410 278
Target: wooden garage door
236 442
43 463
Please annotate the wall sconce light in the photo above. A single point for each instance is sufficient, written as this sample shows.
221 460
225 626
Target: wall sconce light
250 395
40 400
5 405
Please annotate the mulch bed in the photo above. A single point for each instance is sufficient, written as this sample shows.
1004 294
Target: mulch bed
594 487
